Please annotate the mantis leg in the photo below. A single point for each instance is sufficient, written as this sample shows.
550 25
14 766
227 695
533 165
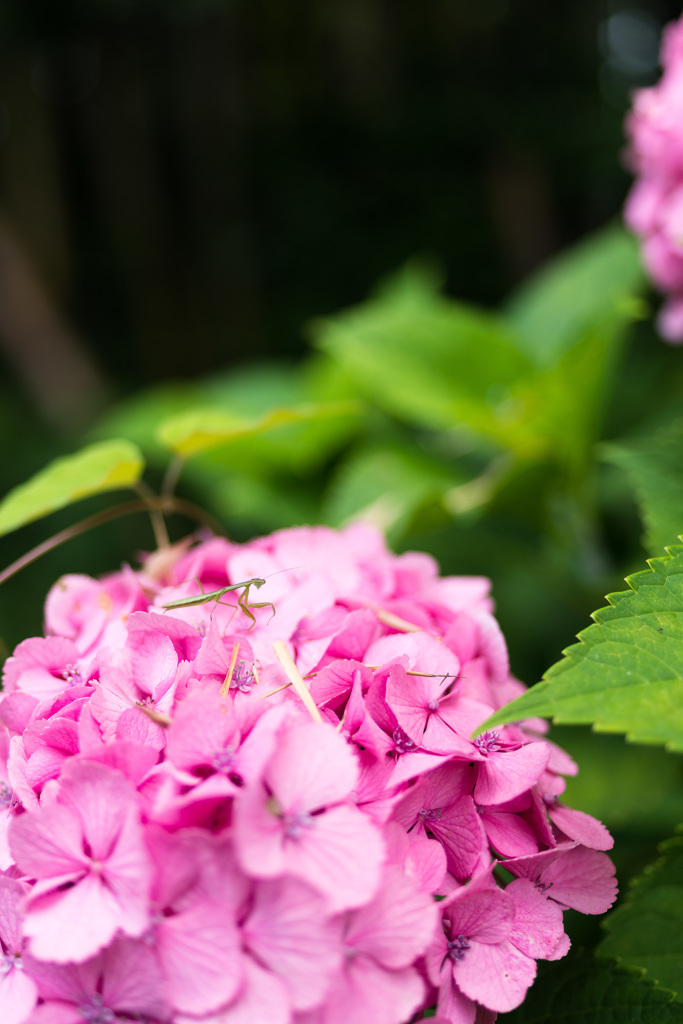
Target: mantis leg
243 603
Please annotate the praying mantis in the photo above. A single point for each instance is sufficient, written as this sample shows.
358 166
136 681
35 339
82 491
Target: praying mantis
215 595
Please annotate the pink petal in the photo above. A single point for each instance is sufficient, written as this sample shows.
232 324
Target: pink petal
579 826
132 983
397 925
11 913
49 921
452 1006
287 931
582 879
264 997
481 912
199 950
497 976
312 767
18 995
48 843
367 994
537 927
508 833
506 774
341 855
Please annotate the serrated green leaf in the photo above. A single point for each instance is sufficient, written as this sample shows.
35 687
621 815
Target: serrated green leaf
201 430
581 990
647 931
596 283
107 466
655 468
626 674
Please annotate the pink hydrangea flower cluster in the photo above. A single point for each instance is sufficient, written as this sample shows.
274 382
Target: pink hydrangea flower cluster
209 819
654 207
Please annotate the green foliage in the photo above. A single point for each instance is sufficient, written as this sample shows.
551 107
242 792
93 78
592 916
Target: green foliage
581 990
626 673
108 466
654 465
387 485
647 931
197 431
648 801
434 363
589 289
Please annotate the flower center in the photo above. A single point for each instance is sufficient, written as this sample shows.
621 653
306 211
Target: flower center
488 742
9 961
223 760
71 675
402 742
430 814
242 678
457 948
6 795
296 823
94 1012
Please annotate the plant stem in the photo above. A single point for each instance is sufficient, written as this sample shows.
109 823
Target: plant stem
163 504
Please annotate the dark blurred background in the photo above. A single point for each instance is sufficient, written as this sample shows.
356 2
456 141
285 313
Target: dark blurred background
183 183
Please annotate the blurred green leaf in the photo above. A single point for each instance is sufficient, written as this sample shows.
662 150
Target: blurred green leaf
635 804
385 485
647 931
200 430
626 673
594 285
248 394
654 466
581 990
436 363
255 503
107 466
137 418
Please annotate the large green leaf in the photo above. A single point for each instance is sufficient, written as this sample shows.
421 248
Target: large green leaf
655 468
647 931
581 990
438 364
197 431
626 674
591 286
248 394
107 466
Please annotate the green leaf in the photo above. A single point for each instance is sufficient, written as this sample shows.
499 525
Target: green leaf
654 466
197 431
580 990
138 416
438 364
385 485
635 805
107 466
594 284
647 931
626 674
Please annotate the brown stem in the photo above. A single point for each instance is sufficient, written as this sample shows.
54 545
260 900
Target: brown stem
167 504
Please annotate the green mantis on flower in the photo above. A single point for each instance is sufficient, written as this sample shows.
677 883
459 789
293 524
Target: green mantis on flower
215 595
